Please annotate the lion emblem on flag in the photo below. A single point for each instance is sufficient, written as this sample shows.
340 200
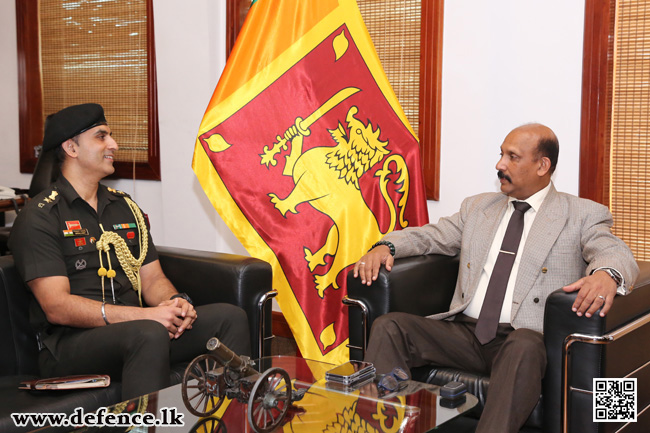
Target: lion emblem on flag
327 178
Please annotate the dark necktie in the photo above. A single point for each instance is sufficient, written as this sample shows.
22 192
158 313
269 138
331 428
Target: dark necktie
488 319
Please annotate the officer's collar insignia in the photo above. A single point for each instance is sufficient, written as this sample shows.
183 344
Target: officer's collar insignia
51 197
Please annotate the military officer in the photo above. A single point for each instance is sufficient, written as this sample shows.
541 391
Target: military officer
103 304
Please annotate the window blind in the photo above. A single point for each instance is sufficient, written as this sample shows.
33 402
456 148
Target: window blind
394 27
629 185
96 51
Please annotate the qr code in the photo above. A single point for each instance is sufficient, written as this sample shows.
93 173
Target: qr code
614 400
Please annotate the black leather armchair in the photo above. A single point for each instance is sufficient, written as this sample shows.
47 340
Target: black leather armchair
207 277
45 173
615 346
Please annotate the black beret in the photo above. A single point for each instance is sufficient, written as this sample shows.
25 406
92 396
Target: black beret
70 122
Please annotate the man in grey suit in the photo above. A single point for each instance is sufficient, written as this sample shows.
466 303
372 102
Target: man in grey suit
565 242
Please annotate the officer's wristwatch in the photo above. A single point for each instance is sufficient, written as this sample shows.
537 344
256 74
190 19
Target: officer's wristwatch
184 296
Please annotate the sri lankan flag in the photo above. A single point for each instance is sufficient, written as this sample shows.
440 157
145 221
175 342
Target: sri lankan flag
306 154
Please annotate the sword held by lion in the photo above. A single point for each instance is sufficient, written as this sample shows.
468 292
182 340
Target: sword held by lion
327 178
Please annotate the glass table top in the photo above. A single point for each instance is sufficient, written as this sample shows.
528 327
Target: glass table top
315 405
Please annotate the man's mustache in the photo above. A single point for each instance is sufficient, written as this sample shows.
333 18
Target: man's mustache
500 175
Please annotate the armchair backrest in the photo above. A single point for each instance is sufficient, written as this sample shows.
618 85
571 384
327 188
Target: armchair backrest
401 289
45 173
17 339
217 277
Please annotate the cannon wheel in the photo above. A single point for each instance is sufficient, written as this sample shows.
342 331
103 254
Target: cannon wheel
202 398
209 425
269 401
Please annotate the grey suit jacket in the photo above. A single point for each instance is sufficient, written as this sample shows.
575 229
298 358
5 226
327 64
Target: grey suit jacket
569 238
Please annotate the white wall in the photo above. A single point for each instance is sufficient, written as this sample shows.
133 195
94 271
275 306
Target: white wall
190 55
505 62
9 158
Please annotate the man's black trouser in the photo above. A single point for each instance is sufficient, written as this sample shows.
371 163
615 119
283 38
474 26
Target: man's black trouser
139 353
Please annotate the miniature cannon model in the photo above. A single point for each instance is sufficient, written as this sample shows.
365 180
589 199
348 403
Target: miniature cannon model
220 374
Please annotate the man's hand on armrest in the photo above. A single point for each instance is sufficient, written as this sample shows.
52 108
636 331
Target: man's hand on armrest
367 268
594 291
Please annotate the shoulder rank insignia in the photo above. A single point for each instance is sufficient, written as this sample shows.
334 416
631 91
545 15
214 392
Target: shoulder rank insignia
116 191
49 199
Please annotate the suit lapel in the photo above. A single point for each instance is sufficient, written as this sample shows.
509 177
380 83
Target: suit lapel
547 226
486 227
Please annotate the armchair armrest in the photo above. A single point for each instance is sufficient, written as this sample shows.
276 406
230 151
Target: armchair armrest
422 285
209 277
615 359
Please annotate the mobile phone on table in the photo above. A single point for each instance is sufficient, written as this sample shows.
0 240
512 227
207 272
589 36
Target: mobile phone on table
351 372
